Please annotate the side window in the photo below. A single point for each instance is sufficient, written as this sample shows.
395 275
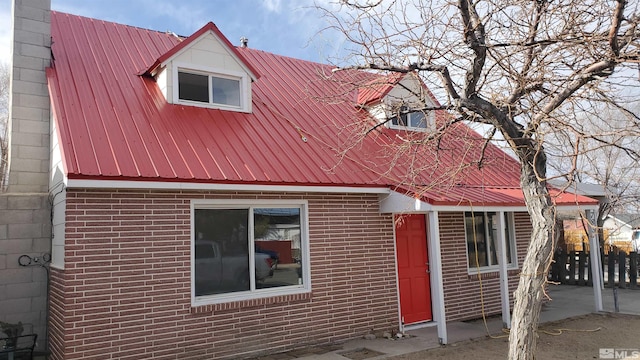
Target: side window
243 252
481 230
477 246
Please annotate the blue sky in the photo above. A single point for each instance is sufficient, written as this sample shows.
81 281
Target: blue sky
286 27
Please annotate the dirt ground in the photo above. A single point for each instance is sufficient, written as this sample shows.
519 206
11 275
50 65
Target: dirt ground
583 337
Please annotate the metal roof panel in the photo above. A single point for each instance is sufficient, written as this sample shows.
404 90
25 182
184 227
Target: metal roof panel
114 123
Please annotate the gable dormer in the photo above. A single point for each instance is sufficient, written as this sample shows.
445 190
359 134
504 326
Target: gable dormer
205 70
399 100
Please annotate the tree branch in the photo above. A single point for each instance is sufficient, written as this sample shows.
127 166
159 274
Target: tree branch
474 36
616 22
441 70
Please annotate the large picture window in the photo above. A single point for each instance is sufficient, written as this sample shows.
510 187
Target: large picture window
481 230
245 251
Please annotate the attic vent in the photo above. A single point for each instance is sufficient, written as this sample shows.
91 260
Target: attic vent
244 42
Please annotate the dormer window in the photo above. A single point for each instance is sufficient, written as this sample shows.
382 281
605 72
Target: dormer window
406 119
209 88
205 70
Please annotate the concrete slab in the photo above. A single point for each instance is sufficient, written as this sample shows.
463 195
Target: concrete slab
568 301
565 301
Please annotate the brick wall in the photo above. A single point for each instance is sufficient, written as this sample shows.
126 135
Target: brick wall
125 289
464 293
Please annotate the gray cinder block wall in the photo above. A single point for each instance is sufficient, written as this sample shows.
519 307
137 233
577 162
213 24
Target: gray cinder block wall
25 215
29 109
24 230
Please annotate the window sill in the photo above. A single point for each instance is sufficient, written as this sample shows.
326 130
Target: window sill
209 305
208 105
491 273
408 128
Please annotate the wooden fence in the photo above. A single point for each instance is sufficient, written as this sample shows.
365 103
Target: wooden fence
574 268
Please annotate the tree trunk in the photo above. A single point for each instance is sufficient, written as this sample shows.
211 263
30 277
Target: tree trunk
530 292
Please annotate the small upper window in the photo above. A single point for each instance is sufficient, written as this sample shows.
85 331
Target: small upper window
409 119
209 89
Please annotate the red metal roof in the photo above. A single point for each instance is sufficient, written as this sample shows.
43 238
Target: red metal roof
376 89
115 124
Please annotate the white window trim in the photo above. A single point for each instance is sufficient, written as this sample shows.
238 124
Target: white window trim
514 252
261 293
245 98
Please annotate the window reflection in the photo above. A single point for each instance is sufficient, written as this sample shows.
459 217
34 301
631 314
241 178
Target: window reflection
221 251
277 235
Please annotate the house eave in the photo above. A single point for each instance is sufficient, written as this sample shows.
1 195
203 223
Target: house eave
397 203
162 185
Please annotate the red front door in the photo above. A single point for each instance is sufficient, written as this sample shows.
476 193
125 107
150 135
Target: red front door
413 268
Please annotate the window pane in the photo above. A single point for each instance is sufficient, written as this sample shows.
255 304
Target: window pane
193 87
418 120
400 118
226 91
475 231
493 237
221 251
278 251
508 239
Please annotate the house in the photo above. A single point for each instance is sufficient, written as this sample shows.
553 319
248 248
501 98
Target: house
181 165
575 226
620 230
623 231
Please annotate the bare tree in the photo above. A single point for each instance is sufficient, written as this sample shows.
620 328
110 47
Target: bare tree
4 125
531 71
608 166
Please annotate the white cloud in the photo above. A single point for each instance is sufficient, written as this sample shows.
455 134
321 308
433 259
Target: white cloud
273 5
